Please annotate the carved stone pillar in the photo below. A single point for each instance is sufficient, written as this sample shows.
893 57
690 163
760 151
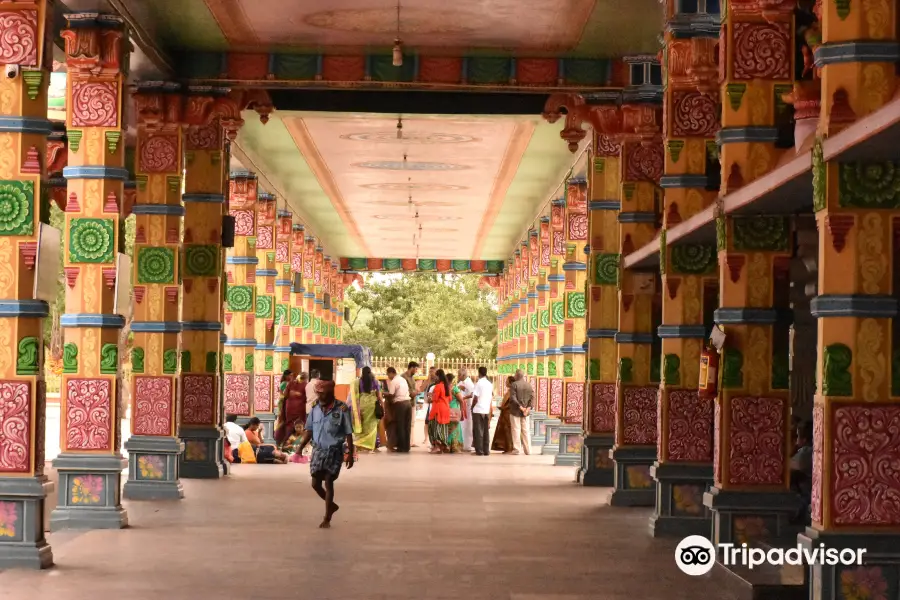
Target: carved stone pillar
638 352
240 309
264 355
856 412
283 239
319 301
683 470
571 433
603 311
90 465
298 245
210 120
154 446
750 498
542 387
557 282
23 138
309 295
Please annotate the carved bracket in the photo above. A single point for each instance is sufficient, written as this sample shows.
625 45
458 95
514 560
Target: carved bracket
109 277
839 226
735 262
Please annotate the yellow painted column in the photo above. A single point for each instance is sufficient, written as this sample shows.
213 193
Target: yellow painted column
264 355
283 301
542 386
240 300
298 246
210 119
637 386
856 412
90 464
605 188
154 446
575 327
683 470
534 258
309 296
318 302
557 281
23 141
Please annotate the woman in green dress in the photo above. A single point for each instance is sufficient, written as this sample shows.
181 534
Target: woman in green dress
457 414
369 398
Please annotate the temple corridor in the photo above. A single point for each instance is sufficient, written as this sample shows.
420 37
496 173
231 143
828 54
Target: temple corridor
412 526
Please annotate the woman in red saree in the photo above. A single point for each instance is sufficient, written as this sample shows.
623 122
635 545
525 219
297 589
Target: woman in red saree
293 406
439 415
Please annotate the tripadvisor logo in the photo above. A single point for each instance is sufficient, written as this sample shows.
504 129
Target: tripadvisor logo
696 555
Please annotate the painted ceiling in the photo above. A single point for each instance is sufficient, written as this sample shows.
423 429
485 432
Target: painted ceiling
580 28
475 182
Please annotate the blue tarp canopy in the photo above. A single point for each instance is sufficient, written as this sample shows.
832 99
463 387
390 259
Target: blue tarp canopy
360 354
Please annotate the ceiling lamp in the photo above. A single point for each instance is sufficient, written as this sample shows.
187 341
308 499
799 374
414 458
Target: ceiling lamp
398 45
400 128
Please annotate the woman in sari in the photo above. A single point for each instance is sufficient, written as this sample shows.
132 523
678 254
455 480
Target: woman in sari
503 441
457 414
293 406
281 429
292 444
439 415
369 398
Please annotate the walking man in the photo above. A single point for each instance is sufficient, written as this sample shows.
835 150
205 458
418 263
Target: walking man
468 388
521 397
329 425
312 388
482 407
398 398
410 377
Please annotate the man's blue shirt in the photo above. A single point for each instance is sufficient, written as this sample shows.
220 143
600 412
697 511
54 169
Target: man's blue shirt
330 428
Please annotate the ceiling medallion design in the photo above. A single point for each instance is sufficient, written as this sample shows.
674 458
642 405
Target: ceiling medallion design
400 165
390 137
384 20
404 203
422 218
419 187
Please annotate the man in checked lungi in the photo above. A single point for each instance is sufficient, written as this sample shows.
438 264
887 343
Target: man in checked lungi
329 425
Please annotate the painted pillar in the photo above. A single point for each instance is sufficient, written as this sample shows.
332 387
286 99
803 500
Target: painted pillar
603 310
557 282
25 198
283 301
298 244
683 470
534 259
264 356
318 302
856 413
575 327
637 386
154 447
202 284
240 307
542 388
309 295
750 498
90 464
325 328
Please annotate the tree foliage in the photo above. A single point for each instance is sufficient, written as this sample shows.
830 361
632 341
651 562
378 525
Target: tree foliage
411 315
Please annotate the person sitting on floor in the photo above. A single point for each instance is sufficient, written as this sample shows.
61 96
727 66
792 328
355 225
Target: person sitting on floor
265 453
291 445
801 470
236 436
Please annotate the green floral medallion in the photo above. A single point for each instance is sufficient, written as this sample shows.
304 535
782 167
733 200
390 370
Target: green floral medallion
240 298
761 233
606 269
556 313
16 207
155 265
694 259
91 240
264 306
201 260
575 307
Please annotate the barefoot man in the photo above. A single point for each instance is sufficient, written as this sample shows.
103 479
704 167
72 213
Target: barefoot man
329 425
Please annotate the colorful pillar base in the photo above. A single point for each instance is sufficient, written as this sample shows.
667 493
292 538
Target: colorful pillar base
203 453
596 464
153 468
679 500
880 571
538 430
569 450
28 549
89 495
551 432
631 476
740 517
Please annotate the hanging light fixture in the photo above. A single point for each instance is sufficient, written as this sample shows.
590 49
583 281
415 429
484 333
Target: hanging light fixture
400 127
398 45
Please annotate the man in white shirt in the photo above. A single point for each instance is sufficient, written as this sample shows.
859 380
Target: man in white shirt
482 407
398 394
235 435
467 386
312 394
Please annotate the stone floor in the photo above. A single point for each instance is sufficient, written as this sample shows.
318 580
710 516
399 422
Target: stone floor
411 526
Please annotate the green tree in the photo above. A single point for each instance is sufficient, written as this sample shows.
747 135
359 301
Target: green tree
450 315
